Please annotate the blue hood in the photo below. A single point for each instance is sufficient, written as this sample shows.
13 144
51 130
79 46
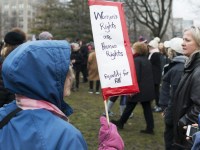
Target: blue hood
38 69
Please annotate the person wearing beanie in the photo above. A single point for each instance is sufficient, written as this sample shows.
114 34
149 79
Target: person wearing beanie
45 36
170 81
21 32
155 59
142 39
93 73
12 40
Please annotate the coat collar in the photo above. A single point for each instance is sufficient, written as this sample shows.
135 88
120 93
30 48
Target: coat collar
193 61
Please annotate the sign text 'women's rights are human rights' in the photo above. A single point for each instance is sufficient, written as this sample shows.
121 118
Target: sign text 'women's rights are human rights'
112 46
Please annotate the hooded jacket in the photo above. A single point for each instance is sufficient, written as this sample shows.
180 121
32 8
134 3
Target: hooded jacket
38 70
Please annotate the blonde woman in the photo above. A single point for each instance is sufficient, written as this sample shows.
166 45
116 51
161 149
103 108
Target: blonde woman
187 97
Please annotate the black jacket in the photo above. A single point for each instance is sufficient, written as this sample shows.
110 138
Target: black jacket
145 79
78 60
169 85
156 67
187 98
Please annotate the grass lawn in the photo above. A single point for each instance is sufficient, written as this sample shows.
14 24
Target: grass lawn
89 107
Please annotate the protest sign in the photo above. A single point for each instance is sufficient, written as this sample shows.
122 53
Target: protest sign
113 50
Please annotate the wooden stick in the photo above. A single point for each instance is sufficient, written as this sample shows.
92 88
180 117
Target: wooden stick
106 109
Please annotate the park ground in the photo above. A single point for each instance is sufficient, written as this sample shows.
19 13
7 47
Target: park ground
89 107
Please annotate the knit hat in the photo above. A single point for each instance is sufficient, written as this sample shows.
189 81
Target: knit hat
175 44
142 39
75 46
13 38
45 36
154 43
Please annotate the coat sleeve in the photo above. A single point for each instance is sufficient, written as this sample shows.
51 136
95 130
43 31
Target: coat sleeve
196 140
90 59
165 92
194 110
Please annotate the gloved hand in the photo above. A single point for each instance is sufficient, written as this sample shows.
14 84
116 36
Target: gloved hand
109 138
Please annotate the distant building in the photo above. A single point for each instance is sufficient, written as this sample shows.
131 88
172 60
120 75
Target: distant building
187 23
179 25
17 13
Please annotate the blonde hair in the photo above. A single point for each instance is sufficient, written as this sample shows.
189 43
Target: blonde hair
195 34
70 73
7 49
68 82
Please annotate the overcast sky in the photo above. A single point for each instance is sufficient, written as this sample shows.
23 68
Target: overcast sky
185 9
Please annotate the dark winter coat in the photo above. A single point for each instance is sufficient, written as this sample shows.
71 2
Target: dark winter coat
164 61
145 79
187 98
5 96
84 53
169 85
156 67
78 60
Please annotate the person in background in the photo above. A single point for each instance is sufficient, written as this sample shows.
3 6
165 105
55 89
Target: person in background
173 73
187 96
12 40
146 86
76 60
84 53
171 54
45 35
163 55
90 47
154 57
1 44
93 73
142 39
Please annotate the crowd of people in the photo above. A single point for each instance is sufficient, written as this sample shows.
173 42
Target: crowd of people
36 76
32 90
173 73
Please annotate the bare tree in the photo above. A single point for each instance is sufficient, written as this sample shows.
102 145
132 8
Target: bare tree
154 14
63 20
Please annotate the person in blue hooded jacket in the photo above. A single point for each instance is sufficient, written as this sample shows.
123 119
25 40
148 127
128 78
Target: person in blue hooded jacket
39 74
